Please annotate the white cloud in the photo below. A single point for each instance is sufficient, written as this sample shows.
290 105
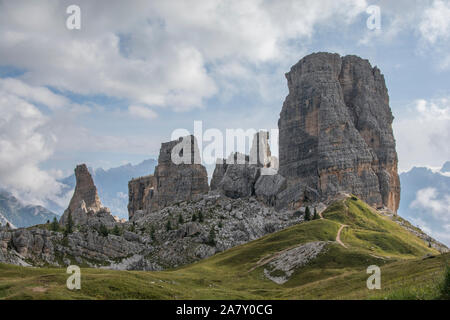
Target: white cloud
435 24
422 136
23 146
158 53
142 112
429 200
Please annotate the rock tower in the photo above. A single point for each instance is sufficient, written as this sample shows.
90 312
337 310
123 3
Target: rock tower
335 130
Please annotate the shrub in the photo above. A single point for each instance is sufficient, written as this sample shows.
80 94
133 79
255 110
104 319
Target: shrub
103 230
180 219
200 217
194 217
116 230
168 226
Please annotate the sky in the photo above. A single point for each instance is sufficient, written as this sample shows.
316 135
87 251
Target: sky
110 92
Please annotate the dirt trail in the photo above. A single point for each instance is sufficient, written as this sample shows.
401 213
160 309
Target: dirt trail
338 236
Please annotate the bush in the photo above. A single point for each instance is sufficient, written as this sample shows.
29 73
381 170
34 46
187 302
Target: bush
200 217
168 226
180 219
194 217
103 230
116 230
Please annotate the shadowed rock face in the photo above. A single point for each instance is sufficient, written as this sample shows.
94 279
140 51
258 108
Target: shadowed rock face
336 130
138 190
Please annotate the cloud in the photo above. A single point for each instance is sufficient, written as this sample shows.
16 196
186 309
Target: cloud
430 200
142 112
422 135
154 53
24 144
434 30
434 216
435 24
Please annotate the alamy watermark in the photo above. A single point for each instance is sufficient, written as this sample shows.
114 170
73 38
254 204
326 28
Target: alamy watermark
240 146
373 22
374 281
73 21
74 280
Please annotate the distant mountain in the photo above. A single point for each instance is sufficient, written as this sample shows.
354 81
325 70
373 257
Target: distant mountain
4 221
21 215
425 200
112 185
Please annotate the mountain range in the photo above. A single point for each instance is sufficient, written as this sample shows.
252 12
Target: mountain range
18 214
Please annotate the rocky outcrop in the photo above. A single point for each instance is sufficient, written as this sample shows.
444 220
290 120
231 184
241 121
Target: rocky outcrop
242 176
85 203
335 130
179 176
268 187
282 266
138 190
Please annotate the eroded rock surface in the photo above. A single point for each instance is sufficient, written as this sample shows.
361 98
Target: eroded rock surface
85 203
179 176
336 130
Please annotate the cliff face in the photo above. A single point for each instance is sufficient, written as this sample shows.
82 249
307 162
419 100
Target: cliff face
172 181
138 190
336 130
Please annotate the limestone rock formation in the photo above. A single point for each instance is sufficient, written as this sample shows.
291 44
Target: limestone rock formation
239 178
242 176
268 187
138 190
85 202
179 176
335 130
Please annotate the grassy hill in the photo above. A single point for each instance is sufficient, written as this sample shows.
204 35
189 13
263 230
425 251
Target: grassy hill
409 268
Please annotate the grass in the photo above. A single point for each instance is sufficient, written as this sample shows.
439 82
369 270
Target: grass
337 273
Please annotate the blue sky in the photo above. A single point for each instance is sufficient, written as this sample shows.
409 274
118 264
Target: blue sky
112 91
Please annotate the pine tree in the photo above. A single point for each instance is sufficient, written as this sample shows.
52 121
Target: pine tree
194 217
212 237
168 225
69 226
307 214
316 215
200 216
180 219
54 225
8 226
152 233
